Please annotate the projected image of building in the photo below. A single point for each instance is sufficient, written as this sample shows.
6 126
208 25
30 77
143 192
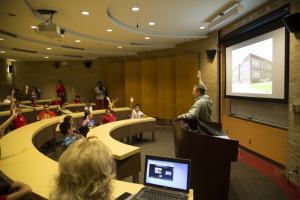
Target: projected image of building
254 69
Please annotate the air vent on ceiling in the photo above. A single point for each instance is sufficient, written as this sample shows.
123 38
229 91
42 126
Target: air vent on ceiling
8 34
141 44
73 56
23 50
69 47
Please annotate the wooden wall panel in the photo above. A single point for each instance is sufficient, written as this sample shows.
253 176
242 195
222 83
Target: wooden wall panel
186 70
166 68
116 83
133 83
149 87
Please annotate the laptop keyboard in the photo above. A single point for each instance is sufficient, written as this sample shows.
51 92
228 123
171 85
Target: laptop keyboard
159 195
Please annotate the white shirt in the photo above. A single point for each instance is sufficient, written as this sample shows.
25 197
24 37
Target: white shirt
134 114
99 96
6 101
90 109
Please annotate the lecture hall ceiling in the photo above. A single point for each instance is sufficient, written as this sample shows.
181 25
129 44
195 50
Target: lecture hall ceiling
176 21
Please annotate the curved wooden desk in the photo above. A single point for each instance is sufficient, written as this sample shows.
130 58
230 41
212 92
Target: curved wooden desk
31 115
3 106
22 161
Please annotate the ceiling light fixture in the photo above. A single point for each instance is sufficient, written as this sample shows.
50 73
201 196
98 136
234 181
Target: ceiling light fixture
225 15
85 12
109 30
202 27
147 38
151 23
1 39
49 48
33 26
2 51
77 41
46 57
119 47
135 9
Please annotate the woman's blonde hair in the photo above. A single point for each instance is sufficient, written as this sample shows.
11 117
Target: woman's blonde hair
85 172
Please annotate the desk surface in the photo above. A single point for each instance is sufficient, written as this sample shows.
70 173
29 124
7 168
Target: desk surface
27 102
41 108
22 161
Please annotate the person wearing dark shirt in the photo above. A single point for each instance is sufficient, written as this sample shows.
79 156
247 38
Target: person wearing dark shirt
17 94
109 114
20 120
87 122
31 94
68 118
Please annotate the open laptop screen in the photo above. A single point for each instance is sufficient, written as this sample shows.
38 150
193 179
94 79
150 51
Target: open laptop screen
167 173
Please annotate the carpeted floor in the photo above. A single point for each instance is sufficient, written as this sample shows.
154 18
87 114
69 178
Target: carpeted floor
245 182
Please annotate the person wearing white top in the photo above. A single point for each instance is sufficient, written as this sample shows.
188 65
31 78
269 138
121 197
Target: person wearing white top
88 106
99 92
136 114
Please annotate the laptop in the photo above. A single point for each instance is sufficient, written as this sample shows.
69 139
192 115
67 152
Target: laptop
165 178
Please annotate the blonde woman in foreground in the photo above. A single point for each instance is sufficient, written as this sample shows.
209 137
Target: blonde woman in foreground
85 172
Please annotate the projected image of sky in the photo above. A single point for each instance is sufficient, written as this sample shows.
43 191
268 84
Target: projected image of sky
252 68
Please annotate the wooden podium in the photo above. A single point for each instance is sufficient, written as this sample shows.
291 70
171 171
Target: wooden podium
211 158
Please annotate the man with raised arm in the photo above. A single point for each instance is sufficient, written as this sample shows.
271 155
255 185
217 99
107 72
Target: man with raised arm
201 110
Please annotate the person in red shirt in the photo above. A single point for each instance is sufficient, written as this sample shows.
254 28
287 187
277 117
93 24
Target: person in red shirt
58 101
20 120
109 114
76 98
34 103
60 89
46 114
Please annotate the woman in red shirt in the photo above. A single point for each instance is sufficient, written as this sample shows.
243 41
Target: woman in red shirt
60 90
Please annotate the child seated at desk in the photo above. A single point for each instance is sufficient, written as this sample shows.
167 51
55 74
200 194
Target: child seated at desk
136 113
58 101
70 119
109 114
31 94
7 100
20 120
17 103
34 103
69 137
63 110
88 123
88 106
46 114
76 98
85 171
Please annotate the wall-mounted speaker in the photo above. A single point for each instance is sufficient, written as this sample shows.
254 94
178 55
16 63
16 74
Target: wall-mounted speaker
292 23
56 65
211 53
88 64
10 69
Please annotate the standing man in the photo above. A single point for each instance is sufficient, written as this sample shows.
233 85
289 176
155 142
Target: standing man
201 110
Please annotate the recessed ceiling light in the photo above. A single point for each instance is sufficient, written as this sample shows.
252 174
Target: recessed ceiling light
46 57
109 30
147 38
2 51
135 9
1 39
202 27
49 48
33 26
85 13
77 41
151 23
11 14
89 53
98 44
119 47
